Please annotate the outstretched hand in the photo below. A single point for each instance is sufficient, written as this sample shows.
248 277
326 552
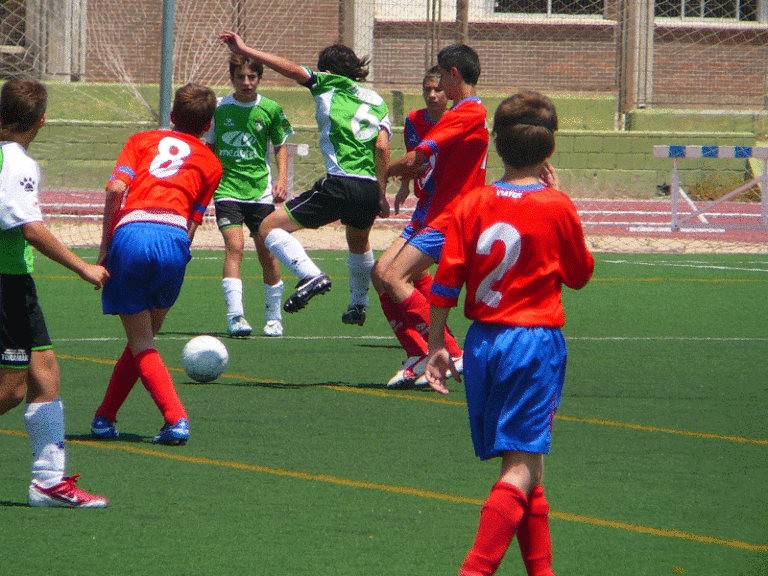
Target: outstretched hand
439 365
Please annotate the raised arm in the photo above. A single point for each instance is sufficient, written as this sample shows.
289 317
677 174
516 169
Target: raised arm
279 64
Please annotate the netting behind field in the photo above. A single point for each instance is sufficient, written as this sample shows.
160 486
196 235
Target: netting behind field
611 64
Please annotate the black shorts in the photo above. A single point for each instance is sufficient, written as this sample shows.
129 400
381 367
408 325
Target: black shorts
233 213
354 201
22 325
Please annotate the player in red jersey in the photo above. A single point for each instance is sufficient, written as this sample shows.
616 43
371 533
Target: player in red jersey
417 125
514 244
169 178
454 151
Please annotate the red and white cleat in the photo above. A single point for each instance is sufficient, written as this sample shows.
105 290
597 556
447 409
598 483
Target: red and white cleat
64 495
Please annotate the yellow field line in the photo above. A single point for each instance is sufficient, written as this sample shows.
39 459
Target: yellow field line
445 401
404 490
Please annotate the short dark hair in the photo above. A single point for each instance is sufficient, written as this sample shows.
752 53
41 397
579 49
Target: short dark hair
237 61
193 107
463 58
342 60
524 127
433 72
23 101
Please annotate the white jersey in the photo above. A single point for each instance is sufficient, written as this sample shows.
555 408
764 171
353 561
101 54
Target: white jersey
19 181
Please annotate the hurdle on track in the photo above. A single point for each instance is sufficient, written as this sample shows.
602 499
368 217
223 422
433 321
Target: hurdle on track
722 152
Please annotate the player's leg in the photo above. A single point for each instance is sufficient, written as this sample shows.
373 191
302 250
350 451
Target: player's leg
13 388
231 281
401 300
271 274
360 262
44 422
312 209
502 512
140 329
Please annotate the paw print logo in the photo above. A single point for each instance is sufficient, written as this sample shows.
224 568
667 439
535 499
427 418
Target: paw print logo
28 184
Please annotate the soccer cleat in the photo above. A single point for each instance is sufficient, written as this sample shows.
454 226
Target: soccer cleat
273 328
103 429
64 495
458 361
307 289
412 369
355 314
173 434
238 327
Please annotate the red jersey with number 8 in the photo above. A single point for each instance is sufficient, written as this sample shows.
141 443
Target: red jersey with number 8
168 171
514 247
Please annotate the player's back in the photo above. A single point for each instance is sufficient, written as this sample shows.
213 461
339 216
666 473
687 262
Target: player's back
167 170
349 117
520 244
457 148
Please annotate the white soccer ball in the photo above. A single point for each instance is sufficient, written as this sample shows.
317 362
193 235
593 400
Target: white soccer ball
204 358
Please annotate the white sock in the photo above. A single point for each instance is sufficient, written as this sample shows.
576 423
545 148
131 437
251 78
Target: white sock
360 266
291 253
273 296
233 296
45 428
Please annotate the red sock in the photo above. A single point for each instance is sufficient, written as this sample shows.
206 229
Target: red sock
499 519
533 535
157 380
124 377
416 321
394 314
423 285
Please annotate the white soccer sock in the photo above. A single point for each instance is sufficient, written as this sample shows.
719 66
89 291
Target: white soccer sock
45 427
233 296
360 266
273 296
291 253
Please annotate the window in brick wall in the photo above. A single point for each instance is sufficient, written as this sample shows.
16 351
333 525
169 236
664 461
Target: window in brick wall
741 10
569 7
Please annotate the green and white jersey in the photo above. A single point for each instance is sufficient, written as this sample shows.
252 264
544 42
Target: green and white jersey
349 118
241 133
19 180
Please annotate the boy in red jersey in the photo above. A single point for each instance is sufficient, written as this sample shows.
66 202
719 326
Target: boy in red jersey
417 125
169 178
455 152
514 244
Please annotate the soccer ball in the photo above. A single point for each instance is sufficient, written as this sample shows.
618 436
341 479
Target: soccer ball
204 358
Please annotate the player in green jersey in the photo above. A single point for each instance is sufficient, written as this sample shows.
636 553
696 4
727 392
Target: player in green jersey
354 138
244 125
28 364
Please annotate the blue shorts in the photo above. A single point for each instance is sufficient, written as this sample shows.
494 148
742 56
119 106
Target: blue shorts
146 263
427 240
513 378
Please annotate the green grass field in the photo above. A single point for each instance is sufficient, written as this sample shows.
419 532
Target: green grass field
300 462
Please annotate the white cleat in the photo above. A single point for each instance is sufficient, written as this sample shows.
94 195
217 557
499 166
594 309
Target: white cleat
273 328
238 327
406 377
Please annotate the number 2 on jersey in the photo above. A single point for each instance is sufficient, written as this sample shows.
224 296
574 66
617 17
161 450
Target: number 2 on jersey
510 237
170 157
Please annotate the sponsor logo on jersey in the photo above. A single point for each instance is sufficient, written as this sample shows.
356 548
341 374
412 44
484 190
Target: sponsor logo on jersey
15 356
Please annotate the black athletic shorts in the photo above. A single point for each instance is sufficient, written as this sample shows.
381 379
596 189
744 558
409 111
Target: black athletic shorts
354 201
233 213
22 325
